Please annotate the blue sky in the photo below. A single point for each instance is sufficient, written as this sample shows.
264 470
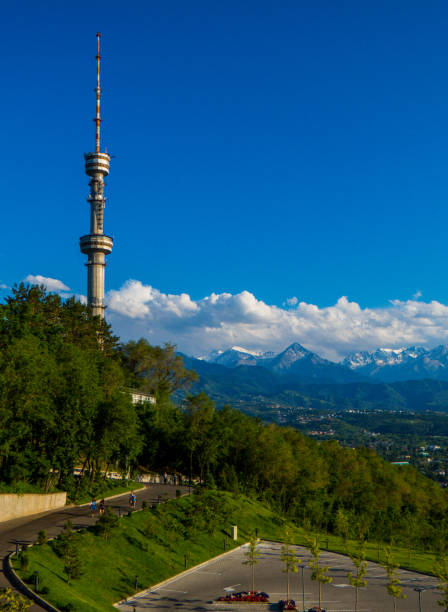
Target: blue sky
271 149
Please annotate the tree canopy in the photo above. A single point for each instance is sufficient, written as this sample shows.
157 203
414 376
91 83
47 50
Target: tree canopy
64 403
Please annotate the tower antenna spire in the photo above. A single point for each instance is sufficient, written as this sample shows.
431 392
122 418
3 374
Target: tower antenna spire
98 97
96 245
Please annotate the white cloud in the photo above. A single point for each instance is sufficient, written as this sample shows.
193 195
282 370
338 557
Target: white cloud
221 320
292 301
417 295
51 284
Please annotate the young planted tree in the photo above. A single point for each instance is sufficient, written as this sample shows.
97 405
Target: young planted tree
252 556
69 549
342 526
318 572
441 571
393 587
106 523
290 560
357 578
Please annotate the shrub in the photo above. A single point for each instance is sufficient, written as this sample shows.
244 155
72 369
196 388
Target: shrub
107 523
24 562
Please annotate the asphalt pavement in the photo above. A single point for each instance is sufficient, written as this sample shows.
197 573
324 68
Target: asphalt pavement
200 588
26 529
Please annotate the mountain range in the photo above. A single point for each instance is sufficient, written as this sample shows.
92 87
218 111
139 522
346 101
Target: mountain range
274 386
382 365
294 363
275 397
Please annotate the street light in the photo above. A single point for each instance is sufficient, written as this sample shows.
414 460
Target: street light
303 587
419 590
36 581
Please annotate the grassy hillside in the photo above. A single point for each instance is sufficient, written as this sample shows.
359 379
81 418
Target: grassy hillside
153 544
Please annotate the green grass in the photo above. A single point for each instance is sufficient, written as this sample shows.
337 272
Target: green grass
152 545
20 488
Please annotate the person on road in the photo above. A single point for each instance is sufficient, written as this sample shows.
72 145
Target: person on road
93 507
132 500
165 478
102 507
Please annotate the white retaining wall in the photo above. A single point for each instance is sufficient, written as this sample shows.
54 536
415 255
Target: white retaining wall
14 506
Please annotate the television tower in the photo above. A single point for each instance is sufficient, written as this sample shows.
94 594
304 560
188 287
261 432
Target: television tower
96 245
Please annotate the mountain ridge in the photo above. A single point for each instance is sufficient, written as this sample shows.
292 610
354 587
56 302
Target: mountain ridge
381 365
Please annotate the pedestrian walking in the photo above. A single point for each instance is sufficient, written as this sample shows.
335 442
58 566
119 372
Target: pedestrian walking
132 500
102 507
165 478
93 507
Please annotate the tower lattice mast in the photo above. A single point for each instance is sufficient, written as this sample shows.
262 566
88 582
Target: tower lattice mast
96 245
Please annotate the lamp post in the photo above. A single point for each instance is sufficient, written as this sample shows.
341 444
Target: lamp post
303 587
419 590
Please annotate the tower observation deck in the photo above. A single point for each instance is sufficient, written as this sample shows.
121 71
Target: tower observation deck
96 245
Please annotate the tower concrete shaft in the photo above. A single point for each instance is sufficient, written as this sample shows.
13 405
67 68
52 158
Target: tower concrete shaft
96 245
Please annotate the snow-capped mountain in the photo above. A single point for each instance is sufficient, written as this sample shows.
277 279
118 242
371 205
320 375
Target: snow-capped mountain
237 355
295 361
383 357
412 363
382 365
298 362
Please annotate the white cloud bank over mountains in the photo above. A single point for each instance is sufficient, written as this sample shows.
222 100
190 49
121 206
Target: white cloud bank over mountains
223 320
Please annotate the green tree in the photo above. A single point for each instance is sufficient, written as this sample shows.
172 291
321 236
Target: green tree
13 602
342 526
201 438
252 557
68 548
441 571
107 523
393 587
357 578
290 560
156 370
318 572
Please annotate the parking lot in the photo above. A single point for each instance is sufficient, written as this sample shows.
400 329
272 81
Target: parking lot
200 588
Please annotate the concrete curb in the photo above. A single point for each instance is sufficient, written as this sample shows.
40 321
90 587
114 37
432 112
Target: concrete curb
180 575
22 587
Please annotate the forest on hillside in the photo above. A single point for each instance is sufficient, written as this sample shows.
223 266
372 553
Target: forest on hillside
64 403
256 390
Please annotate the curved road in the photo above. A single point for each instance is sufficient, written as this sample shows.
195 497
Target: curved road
26 529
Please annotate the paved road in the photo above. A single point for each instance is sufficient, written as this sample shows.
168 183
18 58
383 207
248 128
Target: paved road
26 529
198 589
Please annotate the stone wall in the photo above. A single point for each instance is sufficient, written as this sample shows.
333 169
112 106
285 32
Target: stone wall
14 506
